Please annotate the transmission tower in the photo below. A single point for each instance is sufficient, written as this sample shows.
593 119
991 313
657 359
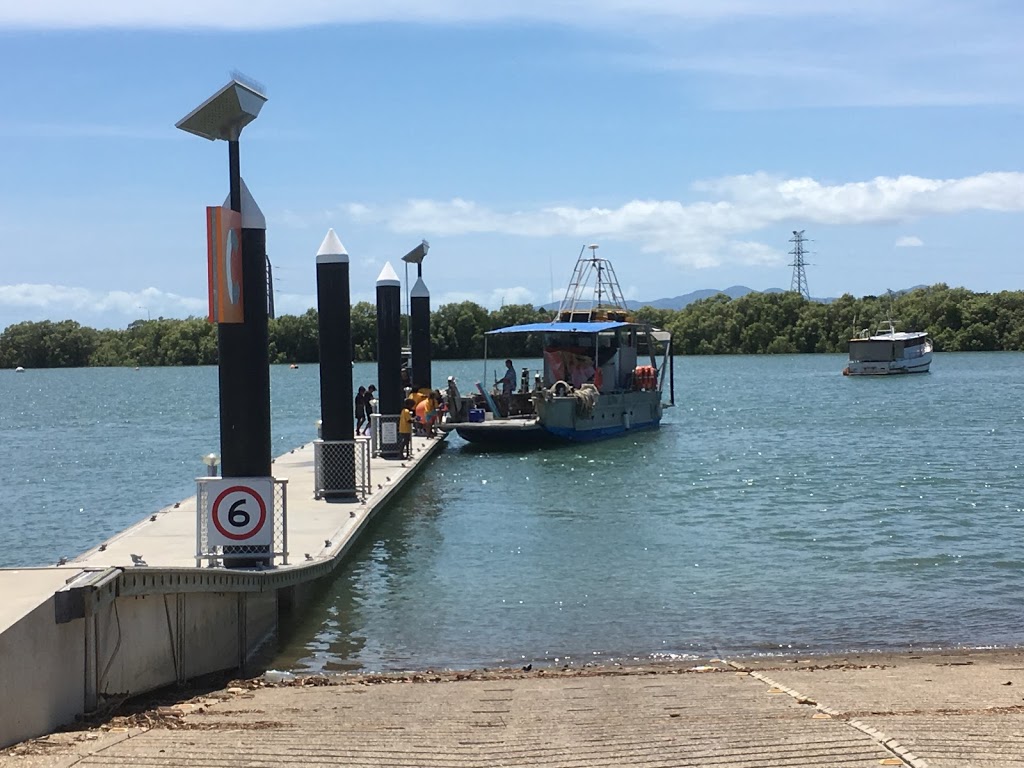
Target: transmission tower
799 283
270 289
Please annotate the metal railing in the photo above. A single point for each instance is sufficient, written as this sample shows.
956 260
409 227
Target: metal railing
342 467
241 555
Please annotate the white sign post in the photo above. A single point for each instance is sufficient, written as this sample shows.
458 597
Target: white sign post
241 512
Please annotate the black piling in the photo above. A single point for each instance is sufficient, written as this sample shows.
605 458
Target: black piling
419 334
334 317
389 358
244 353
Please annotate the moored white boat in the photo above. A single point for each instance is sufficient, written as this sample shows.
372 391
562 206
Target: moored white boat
604 372
889 351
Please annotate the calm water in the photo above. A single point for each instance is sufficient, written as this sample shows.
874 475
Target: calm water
780 506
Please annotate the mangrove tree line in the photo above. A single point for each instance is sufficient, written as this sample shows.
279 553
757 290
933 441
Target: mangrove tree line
758 323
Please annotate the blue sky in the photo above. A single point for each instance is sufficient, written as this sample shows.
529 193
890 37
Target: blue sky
687 138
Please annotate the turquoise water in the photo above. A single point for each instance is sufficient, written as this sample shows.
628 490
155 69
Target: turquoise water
781 506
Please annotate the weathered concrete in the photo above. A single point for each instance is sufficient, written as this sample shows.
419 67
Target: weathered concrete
41 671
868 711
101 627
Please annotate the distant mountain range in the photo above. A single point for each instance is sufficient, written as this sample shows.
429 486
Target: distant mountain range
678 302
733 292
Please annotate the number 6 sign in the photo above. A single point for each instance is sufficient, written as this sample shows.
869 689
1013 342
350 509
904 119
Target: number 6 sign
242 511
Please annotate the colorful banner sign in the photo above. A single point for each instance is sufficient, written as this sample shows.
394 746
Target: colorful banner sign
224 264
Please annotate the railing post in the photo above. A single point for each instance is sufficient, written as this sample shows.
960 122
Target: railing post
283 485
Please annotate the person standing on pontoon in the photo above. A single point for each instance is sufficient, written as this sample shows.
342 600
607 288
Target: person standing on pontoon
508 381
360 410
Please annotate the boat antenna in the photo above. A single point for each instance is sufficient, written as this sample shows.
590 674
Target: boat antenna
551 276
890 294
593 255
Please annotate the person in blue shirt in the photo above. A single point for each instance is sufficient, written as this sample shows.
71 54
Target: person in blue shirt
508 381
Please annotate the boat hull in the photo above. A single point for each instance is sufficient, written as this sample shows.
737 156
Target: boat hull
884 371
890 367
569 420
510 432
613 414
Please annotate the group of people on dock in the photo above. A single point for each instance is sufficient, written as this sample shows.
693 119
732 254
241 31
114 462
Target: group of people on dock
421 412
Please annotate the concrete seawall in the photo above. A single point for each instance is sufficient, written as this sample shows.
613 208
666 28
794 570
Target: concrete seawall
101 626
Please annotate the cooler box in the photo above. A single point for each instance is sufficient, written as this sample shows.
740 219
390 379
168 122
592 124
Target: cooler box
476 415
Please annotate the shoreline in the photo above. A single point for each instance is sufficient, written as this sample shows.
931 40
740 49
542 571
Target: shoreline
658 660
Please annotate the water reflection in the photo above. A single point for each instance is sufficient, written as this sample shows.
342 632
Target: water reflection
330 634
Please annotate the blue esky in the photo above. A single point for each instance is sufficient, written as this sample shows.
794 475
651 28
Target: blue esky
687 138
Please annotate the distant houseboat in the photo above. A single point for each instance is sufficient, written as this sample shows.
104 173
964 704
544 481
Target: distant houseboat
889 351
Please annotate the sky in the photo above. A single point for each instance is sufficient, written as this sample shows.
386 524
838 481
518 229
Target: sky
688 139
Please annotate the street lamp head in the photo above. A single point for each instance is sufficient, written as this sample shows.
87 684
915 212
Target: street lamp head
417 254
225 114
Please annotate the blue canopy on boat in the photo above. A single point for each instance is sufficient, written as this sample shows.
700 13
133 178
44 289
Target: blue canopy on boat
561 328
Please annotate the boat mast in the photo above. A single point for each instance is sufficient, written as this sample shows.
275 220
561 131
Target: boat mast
593 287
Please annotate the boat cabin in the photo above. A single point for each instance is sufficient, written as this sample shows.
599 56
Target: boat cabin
889 347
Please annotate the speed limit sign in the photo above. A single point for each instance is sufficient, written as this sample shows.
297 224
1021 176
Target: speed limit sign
241 512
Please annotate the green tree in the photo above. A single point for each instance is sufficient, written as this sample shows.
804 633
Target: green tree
295 338
457 331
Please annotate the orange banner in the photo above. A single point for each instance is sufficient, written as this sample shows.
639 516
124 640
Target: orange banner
224 264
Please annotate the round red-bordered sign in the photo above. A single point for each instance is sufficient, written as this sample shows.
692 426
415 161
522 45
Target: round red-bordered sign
244 528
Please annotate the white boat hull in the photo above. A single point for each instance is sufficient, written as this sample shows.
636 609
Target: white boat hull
885 368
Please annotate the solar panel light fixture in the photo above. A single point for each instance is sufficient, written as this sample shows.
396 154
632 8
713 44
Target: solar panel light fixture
226 113
416 255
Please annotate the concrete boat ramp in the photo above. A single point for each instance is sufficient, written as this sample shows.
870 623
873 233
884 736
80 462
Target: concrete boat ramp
135 613
959 710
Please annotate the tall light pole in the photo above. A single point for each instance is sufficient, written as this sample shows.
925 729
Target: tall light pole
419 318
242 344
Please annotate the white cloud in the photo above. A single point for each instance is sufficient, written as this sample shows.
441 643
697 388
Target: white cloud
514 295
749 53
357 211
909 241
716 231
293 303
491 299
149 302
30 130
266 14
